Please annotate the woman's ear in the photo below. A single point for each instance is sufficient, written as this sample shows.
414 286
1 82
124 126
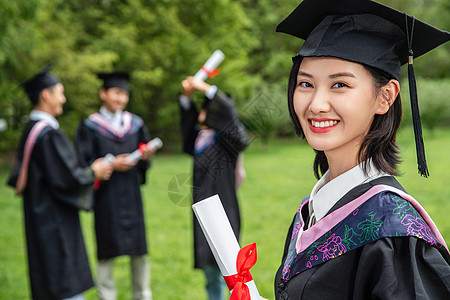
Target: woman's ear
388 94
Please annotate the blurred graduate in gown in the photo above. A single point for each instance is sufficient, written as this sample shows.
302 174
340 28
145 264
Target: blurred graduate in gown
215 138
119 215
54 187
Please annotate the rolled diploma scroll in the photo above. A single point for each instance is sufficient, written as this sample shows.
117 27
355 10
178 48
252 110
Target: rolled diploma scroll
213 61
220 236
136 155
107 160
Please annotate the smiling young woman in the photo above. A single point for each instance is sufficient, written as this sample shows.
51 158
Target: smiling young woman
358 235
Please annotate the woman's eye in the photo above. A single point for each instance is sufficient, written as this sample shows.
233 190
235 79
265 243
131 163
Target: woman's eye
339 85
304 84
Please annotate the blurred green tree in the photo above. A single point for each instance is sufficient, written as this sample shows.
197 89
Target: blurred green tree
161 42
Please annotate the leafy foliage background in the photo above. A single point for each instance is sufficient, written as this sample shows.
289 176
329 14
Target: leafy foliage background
161 42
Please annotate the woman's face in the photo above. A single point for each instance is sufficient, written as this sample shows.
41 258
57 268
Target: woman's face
335 103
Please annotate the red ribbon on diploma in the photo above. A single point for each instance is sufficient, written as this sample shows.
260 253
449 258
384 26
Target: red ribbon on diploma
245 260
97 184
212 73
142 147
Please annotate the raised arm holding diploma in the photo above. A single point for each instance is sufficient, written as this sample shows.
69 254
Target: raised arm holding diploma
225 248
213 135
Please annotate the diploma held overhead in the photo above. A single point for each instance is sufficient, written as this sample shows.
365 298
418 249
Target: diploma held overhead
209 68
234 263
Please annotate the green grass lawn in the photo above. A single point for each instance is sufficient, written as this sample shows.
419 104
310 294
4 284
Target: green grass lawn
278 177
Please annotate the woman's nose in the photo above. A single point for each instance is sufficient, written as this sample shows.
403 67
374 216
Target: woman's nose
320 102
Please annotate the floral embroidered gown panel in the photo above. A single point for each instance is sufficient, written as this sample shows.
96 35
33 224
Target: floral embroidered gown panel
384 248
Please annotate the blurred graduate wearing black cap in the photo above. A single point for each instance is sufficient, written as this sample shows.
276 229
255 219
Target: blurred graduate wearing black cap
119 215
54 187
215 138
358 235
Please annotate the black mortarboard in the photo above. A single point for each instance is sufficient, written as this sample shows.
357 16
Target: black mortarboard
42 80
366 32
115 79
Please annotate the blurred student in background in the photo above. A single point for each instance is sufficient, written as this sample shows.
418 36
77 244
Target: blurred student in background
54 187
119 215
215 138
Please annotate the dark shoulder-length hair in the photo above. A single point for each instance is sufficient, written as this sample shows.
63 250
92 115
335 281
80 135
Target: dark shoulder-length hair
378 145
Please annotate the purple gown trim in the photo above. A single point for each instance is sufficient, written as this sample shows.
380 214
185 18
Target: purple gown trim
130 125
383 211
31 140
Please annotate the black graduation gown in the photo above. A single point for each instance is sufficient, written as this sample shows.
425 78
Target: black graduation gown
56 189
389 268
215 167
118 210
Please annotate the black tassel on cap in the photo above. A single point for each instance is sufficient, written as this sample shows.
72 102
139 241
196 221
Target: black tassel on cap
420 148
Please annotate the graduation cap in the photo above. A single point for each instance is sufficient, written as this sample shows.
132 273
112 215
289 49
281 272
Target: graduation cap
366 32
42 80
115 79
